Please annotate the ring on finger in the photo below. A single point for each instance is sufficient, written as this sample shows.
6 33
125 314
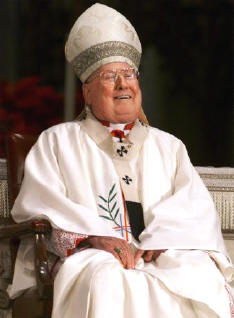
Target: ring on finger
118 250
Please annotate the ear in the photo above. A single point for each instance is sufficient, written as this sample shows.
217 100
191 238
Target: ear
86 93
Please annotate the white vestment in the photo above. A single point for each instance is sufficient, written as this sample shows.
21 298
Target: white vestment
75 176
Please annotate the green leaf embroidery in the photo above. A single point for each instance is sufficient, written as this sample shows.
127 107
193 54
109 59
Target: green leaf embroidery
113 197
102 207
103 198
116 213
106 217
111 190
113 206
107 207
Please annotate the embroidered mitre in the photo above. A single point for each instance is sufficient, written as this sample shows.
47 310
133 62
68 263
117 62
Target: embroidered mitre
99 36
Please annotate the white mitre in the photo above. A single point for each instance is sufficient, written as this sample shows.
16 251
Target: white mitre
99 36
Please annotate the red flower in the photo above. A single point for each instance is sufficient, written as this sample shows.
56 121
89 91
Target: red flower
28 107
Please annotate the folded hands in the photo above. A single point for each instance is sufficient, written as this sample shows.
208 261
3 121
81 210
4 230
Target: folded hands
122 250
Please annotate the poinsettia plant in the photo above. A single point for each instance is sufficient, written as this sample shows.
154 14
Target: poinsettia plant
29 107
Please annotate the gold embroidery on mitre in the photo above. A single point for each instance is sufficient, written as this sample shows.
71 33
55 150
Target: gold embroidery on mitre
103 50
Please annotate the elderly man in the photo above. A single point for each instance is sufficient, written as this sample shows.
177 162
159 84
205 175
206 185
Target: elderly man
134 226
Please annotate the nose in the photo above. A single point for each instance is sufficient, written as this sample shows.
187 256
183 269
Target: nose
121 82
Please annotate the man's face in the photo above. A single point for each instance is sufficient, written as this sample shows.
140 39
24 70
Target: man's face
118 101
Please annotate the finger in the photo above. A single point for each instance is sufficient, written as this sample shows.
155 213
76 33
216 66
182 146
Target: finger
119 248
148 256
119 252
157 253
124 254
117 256
130 263
127 256
132 257
138 255
124 259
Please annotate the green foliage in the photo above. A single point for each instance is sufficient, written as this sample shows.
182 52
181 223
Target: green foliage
111 209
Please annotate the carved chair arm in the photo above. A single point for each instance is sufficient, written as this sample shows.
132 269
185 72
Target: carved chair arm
44 281
24 228
38 229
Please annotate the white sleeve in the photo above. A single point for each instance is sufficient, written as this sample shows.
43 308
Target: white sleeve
185 219
43 193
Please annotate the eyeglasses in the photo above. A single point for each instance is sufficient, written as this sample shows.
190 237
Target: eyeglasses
111 76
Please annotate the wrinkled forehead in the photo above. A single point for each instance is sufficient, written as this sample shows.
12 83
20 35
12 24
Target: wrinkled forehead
114 66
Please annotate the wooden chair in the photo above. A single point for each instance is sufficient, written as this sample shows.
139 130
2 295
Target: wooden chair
35 302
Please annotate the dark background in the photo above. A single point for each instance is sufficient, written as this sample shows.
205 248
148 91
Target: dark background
186 69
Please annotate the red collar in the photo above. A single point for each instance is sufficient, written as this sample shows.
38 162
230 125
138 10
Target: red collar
107 124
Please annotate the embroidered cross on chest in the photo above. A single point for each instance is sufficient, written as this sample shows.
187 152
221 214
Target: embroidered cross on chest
122 151
127 179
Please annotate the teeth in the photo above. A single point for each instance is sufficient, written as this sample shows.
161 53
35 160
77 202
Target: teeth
123 97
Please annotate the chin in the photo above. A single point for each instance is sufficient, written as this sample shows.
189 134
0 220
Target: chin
126 113
124 118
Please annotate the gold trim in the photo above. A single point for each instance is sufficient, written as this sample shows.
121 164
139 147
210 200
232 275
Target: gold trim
220 189
228 235
103 50
216 176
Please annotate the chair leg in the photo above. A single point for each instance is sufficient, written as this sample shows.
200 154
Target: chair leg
29 305
47 308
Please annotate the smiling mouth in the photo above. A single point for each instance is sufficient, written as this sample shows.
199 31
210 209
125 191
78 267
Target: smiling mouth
123 97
